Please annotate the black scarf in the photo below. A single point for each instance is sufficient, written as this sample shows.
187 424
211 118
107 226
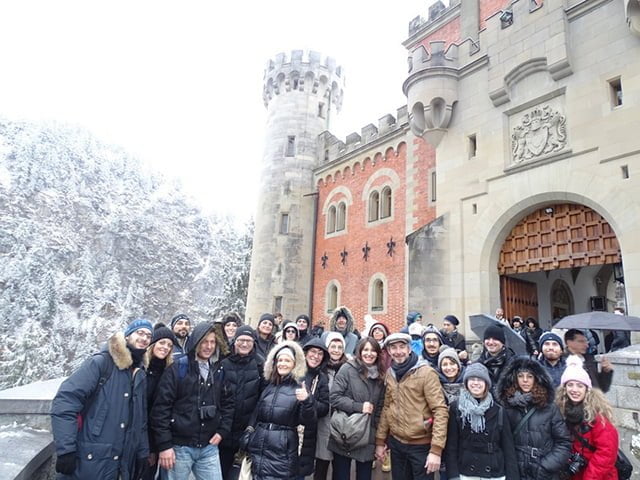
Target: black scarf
574 414
136 355
404 367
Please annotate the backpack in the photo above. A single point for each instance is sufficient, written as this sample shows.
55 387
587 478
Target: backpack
106 369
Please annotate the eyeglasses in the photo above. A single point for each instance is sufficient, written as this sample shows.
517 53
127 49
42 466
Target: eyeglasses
247 341
143 334
431 340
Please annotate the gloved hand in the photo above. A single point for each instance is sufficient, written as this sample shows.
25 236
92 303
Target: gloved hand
141 468
66 464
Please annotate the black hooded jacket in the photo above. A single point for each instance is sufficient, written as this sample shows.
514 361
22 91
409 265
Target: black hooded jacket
317 382
543 444
177 416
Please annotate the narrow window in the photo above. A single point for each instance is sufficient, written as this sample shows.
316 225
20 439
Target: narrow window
332 298
277 304
291 146
385 203
284 223
342 216
615 88
374 206
625 171
474 208
331 220
326 155
321 110
473 146
295 84
377 296
433 186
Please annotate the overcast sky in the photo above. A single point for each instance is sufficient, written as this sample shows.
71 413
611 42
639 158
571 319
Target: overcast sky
179 84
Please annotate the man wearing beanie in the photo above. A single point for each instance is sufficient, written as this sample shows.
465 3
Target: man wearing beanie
180 326
243 380
495 355
192 412
551 358
453 338
303 323
413 392
431 343
265 339
104 403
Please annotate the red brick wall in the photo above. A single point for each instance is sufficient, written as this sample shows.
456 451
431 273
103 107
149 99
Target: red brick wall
449 32
425 160
354 277
488 8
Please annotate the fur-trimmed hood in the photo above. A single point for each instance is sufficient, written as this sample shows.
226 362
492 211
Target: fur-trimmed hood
202 330
345 312
117 348
509 378
300 368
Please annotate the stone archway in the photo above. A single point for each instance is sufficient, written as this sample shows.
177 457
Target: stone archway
561 301
563 236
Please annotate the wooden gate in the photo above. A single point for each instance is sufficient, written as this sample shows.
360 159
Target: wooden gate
559 236
518 297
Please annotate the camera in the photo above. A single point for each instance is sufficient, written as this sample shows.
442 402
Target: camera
576 463
208 412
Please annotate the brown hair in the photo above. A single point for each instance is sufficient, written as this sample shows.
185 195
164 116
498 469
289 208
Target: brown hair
379 363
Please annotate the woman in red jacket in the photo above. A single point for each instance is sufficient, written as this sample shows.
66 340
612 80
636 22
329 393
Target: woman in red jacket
590 420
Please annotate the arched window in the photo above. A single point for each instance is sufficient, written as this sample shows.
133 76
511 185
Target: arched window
331 220
374 205
341 219
332 297
385 203
377 295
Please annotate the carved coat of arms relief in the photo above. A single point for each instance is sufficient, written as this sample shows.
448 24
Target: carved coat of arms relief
540 132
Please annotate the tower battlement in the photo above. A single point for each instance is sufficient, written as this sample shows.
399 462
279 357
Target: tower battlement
305 71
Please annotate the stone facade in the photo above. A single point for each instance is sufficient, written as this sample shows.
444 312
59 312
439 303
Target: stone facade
512 106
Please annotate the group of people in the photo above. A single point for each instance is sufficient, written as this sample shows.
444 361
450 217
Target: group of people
170 401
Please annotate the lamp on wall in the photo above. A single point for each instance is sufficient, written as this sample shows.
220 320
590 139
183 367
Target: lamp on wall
618 272
506 18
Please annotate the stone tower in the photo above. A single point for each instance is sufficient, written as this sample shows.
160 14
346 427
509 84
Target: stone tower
302 93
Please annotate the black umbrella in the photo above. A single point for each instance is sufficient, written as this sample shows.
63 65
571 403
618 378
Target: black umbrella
600 321
514 340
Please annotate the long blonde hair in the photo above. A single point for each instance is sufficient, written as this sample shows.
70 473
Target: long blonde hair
594 404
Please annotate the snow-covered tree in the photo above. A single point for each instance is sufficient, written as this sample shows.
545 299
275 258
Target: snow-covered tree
88 242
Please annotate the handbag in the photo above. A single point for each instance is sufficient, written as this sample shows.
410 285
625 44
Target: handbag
245 469
350 431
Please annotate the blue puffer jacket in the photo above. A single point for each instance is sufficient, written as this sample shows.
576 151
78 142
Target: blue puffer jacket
114 426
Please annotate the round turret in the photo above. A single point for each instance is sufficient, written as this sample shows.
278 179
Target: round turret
302 93
307 72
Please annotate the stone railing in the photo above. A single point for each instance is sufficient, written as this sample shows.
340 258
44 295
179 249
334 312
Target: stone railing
26 443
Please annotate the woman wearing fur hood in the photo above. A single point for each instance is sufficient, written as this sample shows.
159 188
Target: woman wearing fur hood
284 404
342 322
542 440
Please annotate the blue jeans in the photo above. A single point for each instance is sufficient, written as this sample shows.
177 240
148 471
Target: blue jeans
204 462
342 468
407 461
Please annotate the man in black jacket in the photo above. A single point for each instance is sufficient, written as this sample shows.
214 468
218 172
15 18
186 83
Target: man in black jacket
243 383
495 355
191 415
577 344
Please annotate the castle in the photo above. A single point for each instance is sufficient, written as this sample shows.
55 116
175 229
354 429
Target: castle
511 176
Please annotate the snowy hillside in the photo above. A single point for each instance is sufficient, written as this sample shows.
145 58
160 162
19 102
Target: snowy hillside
89 242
